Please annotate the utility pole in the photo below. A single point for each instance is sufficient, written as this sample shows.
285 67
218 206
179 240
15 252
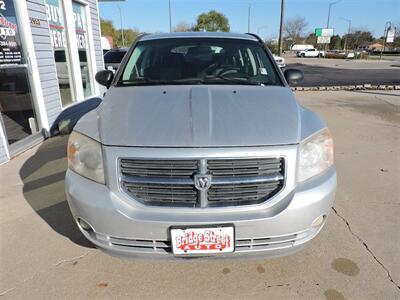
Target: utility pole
248 18
329 12
170 18
348 32
122 27
281 27
329 18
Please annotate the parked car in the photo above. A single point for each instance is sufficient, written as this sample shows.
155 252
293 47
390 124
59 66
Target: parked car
311 53
301 47
113 58
280 61
199 149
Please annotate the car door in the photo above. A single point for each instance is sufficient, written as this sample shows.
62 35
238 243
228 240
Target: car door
310 52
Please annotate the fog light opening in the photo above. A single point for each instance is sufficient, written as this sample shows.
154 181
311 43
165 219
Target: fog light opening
84 225
318 221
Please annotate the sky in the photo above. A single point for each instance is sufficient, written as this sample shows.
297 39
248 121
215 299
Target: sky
152 15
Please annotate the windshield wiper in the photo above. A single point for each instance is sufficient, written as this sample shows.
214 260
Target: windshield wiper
238 80
216 79
142 81
191 80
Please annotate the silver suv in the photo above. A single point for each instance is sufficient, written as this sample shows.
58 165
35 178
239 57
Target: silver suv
199 149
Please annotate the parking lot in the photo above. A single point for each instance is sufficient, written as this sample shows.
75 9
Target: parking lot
356 256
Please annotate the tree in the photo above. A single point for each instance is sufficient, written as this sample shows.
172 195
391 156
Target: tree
311 39
182 27
336 42
212 21
358 38
108 29
272 44
295 27
130 36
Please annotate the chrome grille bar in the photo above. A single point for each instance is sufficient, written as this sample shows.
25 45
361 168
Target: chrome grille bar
189 181
171 182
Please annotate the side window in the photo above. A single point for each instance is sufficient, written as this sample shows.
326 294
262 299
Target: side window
131 65
259 60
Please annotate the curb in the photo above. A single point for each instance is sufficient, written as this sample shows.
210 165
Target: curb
357 87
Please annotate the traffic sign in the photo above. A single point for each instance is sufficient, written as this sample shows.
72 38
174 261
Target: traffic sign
390 36
323 32
323 40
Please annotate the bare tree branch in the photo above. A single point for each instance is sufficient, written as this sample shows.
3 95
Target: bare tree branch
295 28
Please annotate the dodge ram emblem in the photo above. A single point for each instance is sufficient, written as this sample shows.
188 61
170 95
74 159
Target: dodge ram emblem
202 182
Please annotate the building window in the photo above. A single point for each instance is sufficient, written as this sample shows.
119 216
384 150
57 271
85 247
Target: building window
16 105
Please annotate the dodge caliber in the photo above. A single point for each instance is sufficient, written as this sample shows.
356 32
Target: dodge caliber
199 149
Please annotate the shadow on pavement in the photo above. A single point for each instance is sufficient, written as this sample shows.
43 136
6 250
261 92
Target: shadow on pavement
43 177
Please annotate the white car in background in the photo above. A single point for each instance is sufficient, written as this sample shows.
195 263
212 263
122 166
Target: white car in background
280 61
311 53
301 47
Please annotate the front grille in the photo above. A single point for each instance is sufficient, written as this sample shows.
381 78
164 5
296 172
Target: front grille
159 168
163 194
240 194
244 167
234 182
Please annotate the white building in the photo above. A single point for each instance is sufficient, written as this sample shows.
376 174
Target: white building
50 51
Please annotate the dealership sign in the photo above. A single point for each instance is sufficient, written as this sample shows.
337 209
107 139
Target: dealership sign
10 44
56 23
80 24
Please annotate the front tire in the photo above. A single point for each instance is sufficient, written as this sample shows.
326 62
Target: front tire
303 55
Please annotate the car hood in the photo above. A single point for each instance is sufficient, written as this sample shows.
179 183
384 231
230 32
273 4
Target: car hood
199 116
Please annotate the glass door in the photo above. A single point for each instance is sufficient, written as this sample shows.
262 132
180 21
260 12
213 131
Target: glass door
16 106
81 31
56 19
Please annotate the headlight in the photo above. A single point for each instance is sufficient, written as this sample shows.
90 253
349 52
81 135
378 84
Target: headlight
85 157
316 155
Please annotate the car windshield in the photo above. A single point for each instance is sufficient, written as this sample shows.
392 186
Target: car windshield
199 61
114 57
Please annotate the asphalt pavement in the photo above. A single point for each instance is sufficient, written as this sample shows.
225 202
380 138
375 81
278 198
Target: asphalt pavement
356 256
339 72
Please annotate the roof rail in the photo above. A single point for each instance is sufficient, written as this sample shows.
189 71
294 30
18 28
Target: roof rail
141 35
256 36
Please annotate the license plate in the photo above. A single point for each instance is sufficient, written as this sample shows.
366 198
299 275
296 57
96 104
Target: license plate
203 240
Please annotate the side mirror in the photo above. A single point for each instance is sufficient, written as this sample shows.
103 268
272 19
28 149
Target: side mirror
293 75
104 77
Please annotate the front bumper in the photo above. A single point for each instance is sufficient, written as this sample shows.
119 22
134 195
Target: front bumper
273 231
